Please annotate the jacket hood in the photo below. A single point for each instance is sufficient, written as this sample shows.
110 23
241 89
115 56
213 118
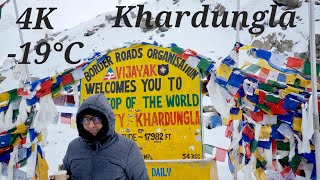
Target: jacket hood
97 105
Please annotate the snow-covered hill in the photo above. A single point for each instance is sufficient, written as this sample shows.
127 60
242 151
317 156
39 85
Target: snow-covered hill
101 36
98 35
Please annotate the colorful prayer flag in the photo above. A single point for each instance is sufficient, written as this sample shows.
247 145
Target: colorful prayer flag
220 154
294 62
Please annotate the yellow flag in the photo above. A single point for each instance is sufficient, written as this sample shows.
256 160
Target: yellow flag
33 147
293 89
305 83
297 124
236 116
258 156
39 137
264 63
256 91
42 168
225 121
312 147
21 129
4 99
16 142
224 71
290 79
54 79
265 133
246 47
4 96
283 93
260 174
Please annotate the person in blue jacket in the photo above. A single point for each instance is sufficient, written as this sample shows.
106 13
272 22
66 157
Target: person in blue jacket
101 153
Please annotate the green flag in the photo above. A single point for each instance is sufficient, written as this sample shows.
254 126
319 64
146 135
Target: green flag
177 49
252 68
307 68
294 164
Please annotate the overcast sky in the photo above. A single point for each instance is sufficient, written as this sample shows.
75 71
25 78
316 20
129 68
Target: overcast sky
70 12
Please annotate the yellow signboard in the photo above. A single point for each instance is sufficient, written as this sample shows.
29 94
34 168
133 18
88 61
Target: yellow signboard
196 170
156 97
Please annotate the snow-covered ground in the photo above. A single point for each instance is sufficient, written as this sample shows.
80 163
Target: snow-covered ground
211 42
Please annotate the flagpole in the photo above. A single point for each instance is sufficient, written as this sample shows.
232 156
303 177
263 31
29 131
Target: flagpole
238 32
21 38
238 23
314 85
236 158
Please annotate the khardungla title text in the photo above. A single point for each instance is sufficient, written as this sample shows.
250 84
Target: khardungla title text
205 18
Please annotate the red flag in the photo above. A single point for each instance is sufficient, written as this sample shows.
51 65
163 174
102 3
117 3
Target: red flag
274 147
22 92
257 116
263 75
220 155
45 88
262 96
228 132
186 53
248 150
67 79
294 62
277 109
285 171
274 165
248 132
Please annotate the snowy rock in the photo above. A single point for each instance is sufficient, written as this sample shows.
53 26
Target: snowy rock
175 1
219 7
163 29
144 27
42 41
306 55
133 15
89 33
290 4
285 45
2 78
64 38
110 17
102 25
274 41
7 64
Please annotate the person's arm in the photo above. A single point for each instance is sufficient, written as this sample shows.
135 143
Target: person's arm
66 165
136 168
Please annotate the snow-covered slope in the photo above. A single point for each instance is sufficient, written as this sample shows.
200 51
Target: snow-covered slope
212 42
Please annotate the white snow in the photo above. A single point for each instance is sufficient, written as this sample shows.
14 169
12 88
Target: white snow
215 43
